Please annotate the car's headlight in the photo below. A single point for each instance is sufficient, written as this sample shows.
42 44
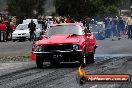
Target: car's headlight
38 48
75 47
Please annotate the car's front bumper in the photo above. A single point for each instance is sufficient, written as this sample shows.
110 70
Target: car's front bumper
20 37
60 56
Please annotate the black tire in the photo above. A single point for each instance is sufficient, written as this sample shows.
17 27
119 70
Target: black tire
39 62
90 57
13 40
20 40
83 62
24 39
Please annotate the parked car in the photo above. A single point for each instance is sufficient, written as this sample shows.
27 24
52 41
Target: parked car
27 21
22 32
69 42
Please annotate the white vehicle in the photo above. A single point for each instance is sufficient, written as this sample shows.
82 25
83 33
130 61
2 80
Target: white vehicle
27 21
22 32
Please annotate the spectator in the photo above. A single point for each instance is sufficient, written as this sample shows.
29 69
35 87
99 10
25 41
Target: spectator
108 29
114 27
32 29
49 22
8 32
44 26
3 31
0 29
69 20
12 26
129 23
106 21
120 27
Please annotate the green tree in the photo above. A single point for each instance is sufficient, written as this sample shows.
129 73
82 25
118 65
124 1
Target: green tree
25 8
91 8
75 8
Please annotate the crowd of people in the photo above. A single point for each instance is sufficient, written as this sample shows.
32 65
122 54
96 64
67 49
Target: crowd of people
114 26
117 27
7 26
47 21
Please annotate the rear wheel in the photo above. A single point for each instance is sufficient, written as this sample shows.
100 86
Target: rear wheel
39 62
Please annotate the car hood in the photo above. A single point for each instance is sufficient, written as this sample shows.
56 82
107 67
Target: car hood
59 39
21 31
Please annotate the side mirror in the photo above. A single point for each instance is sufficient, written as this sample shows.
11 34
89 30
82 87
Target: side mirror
89 34
41 37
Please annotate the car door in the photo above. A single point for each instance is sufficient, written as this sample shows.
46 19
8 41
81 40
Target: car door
93 43
89 40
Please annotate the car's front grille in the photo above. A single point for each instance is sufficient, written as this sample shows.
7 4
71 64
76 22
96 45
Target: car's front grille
63 47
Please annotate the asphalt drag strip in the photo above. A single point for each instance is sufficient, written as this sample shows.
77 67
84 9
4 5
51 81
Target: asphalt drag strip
64 75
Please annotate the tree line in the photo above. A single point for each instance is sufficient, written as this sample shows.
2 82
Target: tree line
73 8
91 8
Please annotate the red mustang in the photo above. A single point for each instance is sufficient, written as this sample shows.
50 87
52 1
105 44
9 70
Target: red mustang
67 42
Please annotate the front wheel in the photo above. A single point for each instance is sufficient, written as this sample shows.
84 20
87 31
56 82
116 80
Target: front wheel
39 62
83 60
13 40
91 58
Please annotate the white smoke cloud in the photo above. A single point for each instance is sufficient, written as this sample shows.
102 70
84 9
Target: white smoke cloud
3 4
49 7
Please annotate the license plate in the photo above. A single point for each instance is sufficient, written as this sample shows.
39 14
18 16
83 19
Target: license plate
57 56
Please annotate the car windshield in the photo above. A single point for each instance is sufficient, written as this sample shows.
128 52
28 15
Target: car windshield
64 29
22 27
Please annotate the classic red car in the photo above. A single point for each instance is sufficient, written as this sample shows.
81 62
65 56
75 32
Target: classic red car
68 42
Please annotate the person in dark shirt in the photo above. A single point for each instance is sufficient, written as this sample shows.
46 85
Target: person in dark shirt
120 27
32 29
